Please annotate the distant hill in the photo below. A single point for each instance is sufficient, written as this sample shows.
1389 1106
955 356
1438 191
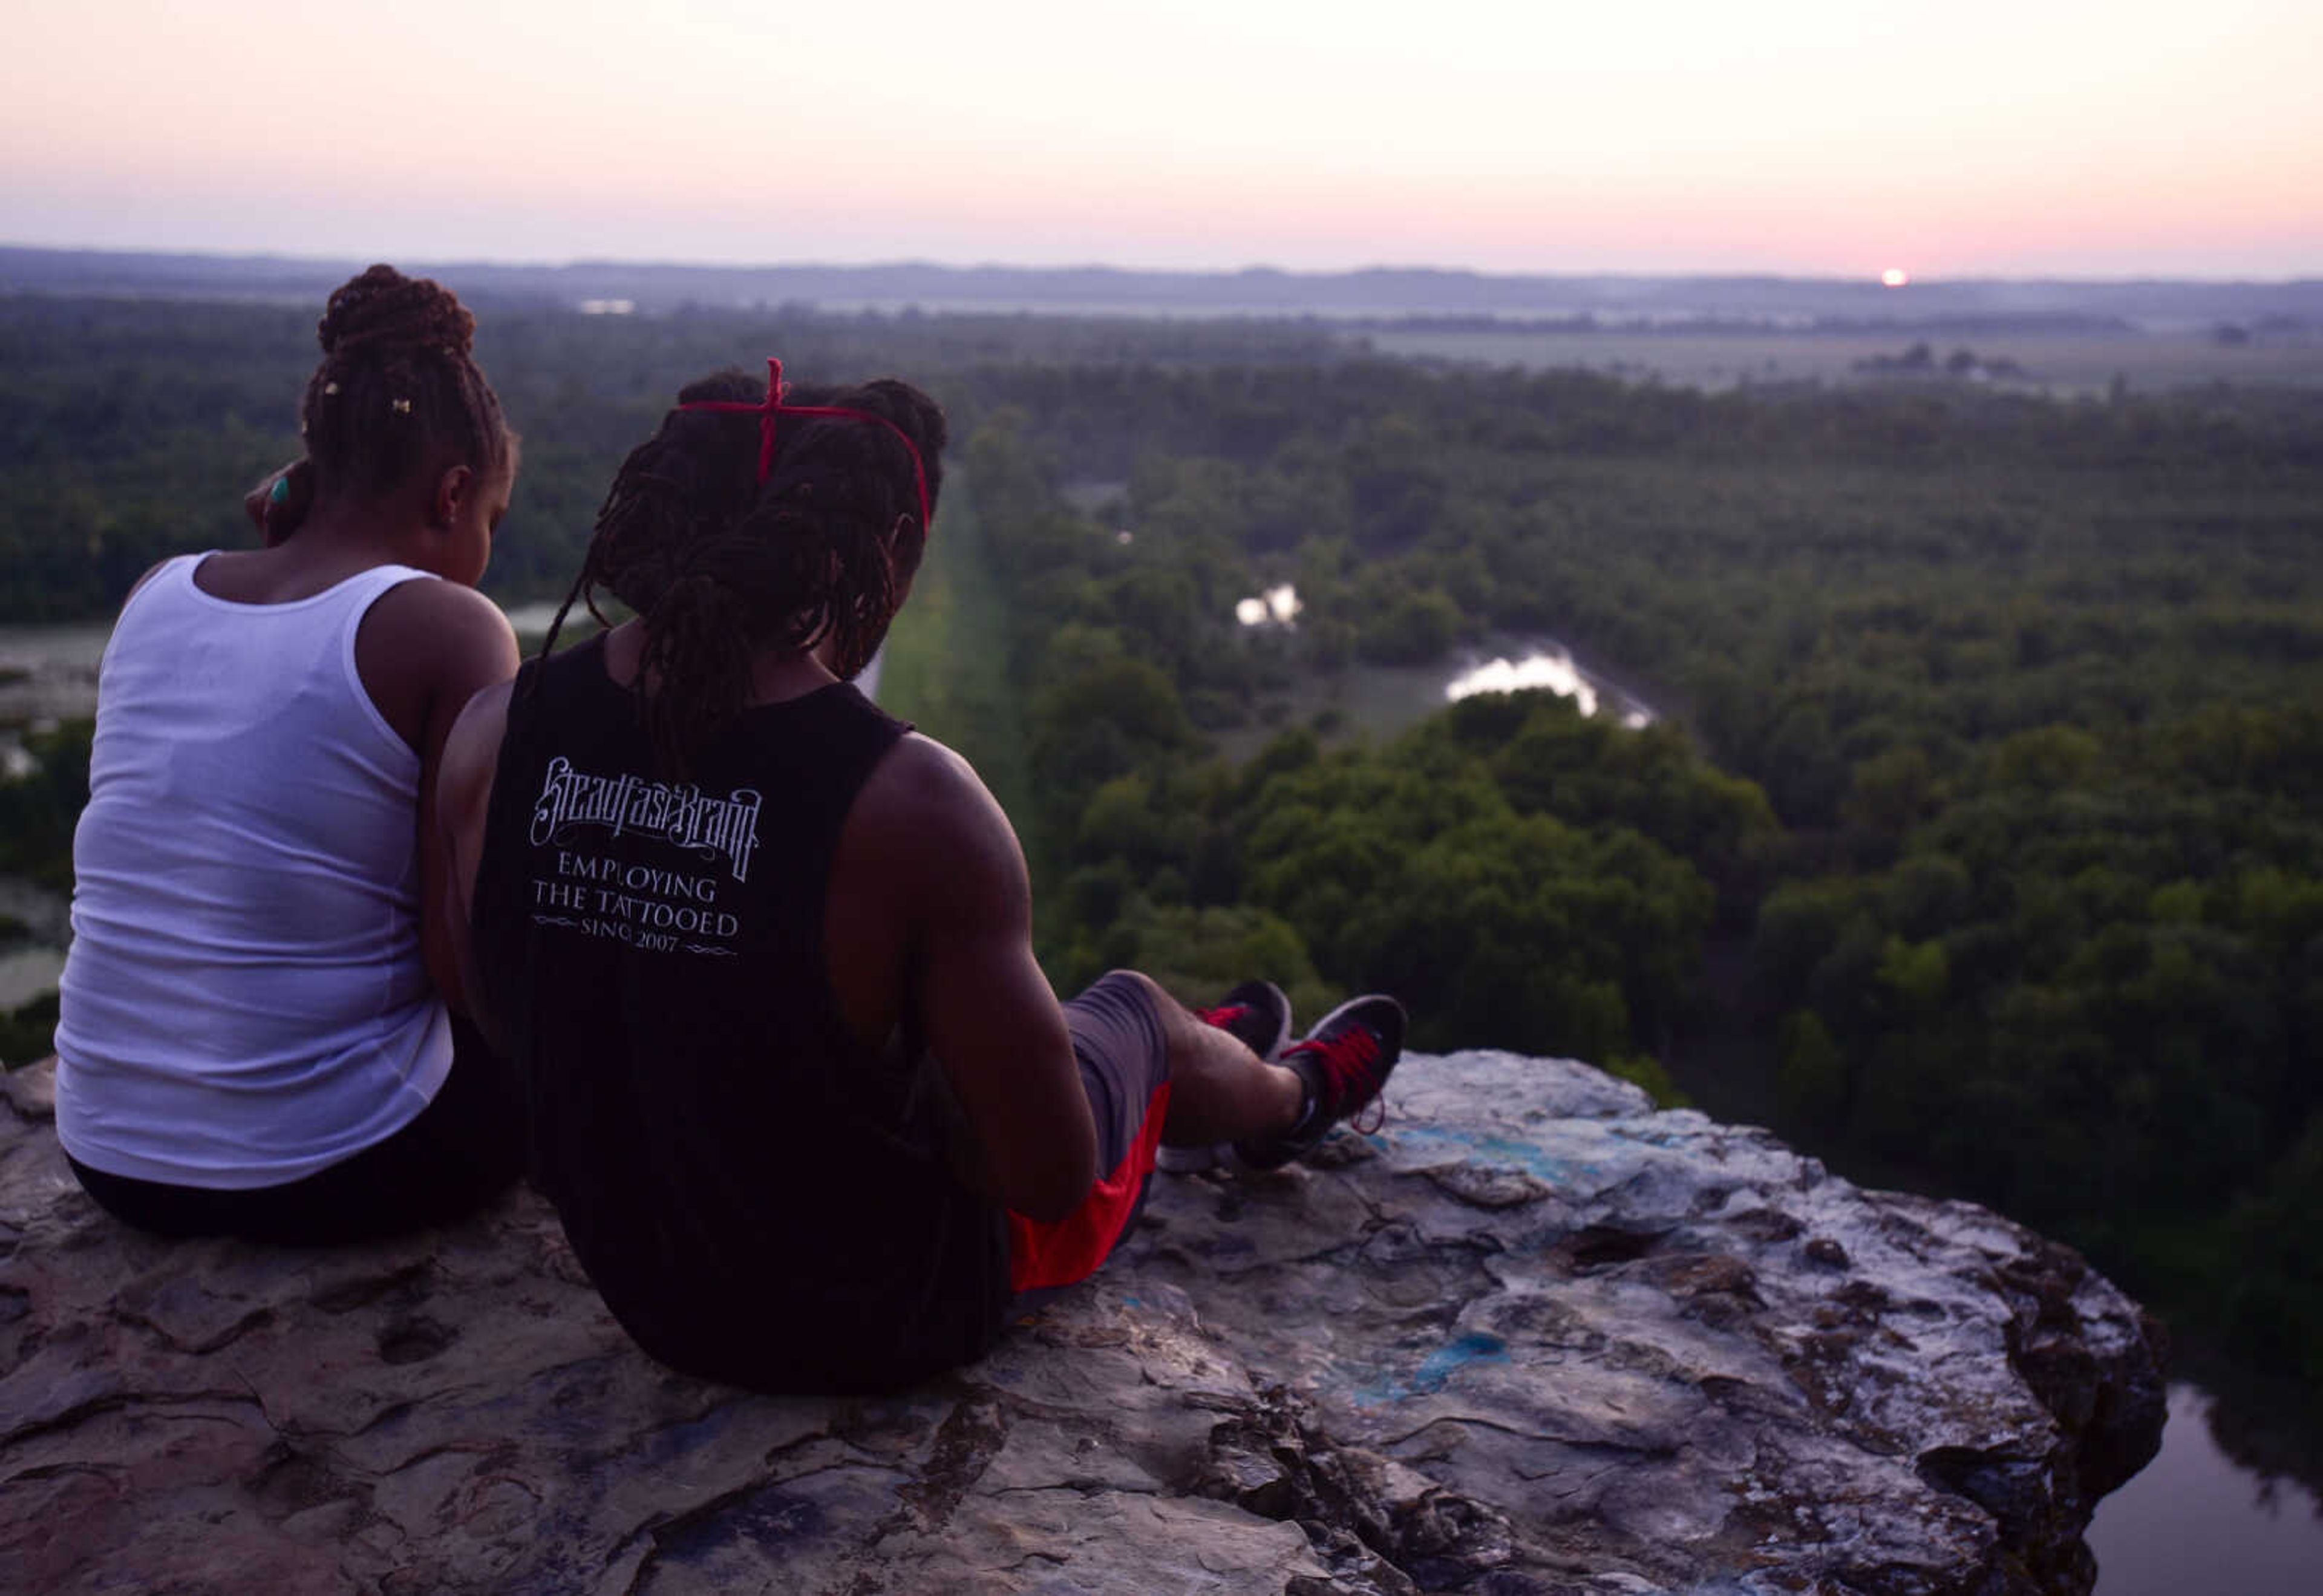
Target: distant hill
1379 294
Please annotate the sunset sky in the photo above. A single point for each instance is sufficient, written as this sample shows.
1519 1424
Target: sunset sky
1978 138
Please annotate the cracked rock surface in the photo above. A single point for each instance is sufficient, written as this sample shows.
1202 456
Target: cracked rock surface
1533 1338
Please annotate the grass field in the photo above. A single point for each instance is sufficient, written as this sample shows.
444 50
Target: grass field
946 666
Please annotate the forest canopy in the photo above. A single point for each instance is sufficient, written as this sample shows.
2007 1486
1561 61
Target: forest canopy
1979 847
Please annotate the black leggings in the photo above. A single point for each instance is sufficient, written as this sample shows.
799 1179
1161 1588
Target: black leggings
464 1148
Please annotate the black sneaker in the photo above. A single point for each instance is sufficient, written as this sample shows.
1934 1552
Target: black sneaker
1256 1015
1345 1061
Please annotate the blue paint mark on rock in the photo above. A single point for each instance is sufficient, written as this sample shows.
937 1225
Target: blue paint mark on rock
1445 1361
1664 1139
1563 1174
1437 1370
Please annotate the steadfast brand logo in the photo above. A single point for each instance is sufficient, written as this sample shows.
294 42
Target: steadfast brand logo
683 815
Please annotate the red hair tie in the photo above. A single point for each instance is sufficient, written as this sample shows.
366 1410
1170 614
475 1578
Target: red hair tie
772 406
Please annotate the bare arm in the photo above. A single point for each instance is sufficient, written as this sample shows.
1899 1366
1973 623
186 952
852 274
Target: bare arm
485 657
928 850
464 799
425 650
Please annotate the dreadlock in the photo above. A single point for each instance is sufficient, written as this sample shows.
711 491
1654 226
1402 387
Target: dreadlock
396 390
721 567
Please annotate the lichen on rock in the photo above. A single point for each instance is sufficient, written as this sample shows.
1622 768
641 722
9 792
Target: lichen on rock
1532 1337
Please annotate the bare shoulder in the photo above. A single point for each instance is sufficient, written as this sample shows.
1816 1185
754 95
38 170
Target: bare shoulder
423 648
921 784
924 804
439 633
443 612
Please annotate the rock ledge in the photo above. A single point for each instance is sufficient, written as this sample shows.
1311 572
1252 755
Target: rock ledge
1532 1338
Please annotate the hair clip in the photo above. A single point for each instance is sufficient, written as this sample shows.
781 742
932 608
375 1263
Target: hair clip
329 388
402 407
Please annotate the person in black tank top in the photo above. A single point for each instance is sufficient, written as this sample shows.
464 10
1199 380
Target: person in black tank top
812 1116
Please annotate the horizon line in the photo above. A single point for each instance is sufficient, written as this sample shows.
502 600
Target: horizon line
1256 268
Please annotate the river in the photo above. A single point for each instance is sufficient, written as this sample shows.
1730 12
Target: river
46 673
1546 662
30 966
2194 1520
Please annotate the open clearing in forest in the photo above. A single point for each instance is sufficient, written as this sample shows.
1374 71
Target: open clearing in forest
946 669
1364 702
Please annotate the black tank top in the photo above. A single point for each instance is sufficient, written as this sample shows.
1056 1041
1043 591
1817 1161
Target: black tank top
759 1197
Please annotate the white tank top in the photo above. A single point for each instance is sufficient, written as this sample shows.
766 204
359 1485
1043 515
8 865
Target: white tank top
244 1002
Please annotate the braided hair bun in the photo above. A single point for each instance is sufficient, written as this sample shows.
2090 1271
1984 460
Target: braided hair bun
398 391
383 308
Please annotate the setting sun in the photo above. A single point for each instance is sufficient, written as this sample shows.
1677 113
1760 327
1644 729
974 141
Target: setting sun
1896 276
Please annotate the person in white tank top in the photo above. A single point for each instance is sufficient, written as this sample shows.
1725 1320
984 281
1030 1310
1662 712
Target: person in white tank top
261 1028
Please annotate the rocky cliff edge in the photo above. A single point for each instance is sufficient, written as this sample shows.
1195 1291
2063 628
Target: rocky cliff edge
1534 1337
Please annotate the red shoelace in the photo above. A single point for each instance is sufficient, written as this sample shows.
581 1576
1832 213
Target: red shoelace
1346 1061
1222 1017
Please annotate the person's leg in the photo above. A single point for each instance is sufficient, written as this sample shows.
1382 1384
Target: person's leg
1220 1091
464 1148
1343 1064
1121 1047
1337 1069
179 1212
1141 1055
1155 1071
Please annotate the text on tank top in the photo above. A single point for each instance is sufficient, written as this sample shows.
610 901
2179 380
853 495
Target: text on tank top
757 1196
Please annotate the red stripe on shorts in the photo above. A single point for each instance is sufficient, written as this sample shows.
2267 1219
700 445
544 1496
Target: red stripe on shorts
1043 1255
